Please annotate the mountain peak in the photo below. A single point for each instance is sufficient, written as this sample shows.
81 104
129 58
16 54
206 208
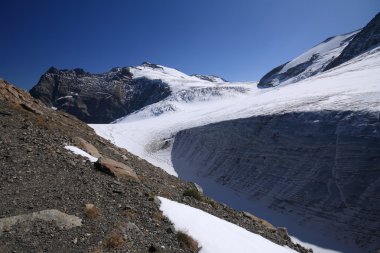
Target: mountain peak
150 65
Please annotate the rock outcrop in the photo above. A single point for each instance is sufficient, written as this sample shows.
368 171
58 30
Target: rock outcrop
114 168
97 98
88 147
62 220
322 167
211 78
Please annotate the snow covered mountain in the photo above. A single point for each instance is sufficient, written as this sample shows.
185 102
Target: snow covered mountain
190 96
308 150
102 98
366 39
185 90
330 53
309 63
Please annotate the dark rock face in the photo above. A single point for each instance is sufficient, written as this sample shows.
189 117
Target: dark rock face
366 39
97 98
268 80
323 167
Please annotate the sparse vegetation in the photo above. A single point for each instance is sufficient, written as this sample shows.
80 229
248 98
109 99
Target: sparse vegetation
91 211
158 215
210 202
128 213
193 193
115 240
97 250
187 242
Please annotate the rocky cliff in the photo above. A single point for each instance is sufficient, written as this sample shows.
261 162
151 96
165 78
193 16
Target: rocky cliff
321 167
97 98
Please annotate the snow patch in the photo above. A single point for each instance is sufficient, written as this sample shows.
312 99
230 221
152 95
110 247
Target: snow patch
315 248
214 234
80 152
65 97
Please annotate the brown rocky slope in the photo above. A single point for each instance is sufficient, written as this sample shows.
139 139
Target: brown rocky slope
55 201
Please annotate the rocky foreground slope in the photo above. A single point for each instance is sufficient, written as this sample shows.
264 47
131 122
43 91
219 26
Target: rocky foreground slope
55 201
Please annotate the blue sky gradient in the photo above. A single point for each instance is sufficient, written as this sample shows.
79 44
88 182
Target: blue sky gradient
239 40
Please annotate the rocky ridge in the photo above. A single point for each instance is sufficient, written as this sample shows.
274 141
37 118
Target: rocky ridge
97 98
116 213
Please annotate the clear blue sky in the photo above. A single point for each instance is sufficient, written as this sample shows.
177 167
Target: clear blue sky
236 39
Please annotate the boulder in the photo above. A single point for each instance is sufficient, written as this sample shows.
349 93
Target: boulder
62 220
115 168
88 147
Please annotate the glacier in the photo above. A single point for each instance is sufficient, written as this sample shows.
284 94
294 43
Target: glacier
195 130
